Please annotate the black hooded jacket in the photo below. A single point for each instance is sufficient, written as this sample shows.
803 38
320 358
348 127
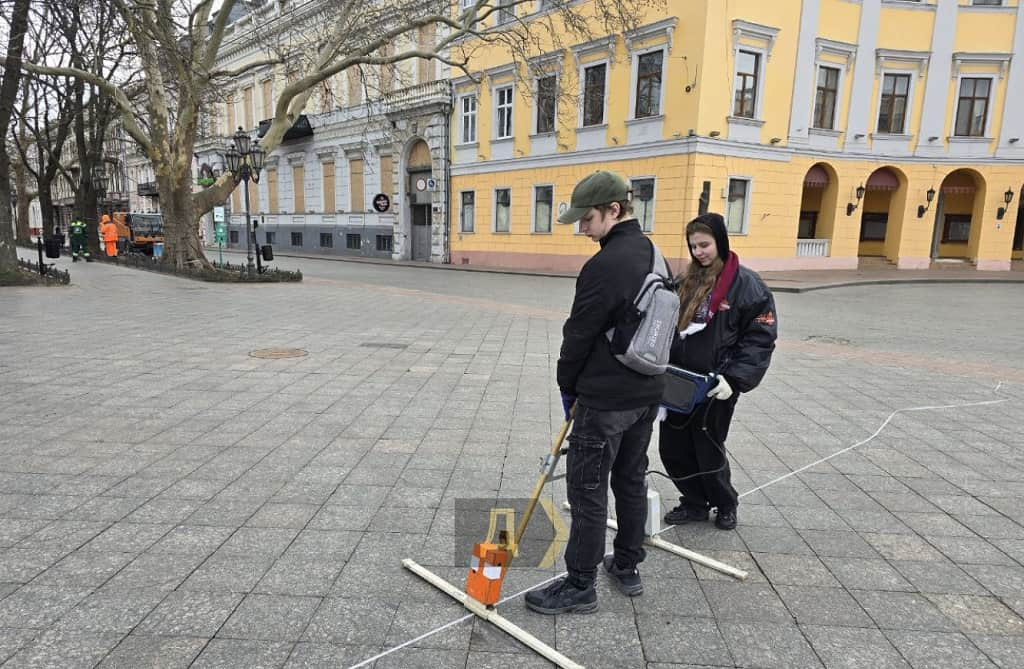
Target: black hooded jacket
607 283
739 340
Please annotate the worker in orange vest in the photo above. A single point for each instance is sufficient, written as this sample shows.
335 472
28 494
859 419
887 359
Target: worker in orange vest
108 231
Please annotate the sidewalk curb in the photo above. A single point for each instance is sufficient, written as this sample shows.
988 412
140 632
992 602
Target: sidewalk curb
772 283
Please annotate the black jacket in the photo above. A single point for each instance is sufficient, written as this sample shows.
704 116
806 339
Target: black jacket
608 282
738 342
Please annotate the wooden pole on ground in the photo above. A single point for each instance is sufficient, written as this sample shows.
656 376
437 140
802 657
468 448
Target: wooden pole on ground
491 616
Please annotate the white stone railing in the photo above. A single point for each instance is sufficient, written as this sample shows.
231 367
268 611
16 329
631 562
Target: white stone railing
812 248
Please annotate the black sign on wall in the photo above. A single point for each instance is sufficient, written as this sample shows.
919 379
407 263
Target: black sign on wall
381 202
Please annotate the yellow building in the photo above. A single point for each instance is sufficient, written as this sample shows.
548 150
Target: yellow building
824 130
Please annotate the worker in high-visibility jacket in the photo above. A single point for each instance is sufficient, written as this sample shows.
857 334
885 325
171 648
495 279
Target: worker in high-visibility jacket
77 233
108 232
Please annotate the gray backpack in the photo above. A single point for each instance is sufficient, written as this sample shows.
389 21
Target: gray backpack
642 338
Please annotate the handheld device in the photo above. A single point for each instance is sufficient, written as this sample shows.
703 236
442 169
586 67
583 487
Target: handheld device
684 389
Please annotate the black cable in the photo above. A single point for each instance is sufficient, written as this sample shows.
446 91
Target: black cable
704 429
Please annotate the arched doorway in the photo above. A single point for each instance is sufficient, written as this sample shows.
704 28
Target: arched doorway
878 215
418 186
817 211
960 203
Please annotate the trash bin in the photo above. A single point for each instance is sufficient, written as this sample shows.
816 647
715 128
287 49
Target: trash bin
267 251
158 249
53 247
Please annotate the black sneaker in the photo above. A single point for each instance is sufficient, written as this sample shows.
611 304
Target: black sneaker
685 514
726 519
562 596
627 580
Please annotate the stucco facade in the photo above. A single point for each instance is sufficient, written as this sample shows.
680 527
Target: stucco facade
779 114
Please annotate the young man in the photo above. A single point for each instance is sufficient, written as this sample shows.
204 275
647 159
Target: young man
615 406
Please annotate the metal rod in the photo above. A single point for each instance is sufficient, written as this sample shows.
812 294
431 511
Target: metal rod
541 482
491 615
692 556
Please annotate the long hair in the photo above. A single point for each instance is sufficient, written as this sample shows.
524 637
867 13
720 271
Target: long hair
698 280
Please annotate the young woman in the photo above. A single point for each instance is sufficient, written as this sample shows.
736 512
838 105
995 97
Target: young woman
726 327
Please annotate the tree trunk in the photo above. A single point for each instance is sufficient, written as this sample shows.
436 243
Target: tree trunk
182 246
8 93
21 225
47 212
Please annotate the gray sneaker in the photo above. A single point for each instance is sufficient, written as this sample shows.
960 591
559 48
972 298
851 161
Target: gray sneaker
627 580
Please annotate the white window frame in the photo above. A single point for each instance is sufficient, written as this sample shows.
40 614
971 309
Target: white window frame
911 91
510 87
494 217
536 98
583 80
634 76
839 94
463 114
745 228
462 220
987 135
762 63
654 198
533 210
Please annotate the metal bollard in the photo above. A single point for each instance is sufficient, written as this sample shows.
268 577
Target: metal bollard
39 247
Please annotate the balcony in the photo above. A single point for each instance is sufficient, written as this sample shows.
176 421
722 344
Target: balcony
420 95
301 128
148 189
812 248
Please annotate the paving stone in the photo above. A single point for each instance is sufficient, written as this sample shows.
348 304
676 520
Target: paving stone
853 648
969 550
187 613
740 602
229 653
360 622
795 570
1000 580
862 574
596 640
838 544
667 638
12 640
112 610
37 606
64 649
823 606
306 655
153 652
979 615
769 646
270 618
938 650
903 611
1006 651
939 577
895 547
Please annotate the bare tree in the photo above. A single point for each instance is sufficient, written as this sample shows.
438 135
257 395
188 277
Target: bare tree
177 44
17 28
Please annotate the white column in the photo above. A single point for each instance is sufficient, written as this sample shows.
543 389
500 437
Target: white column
1013 104
860 121
936 91
803 83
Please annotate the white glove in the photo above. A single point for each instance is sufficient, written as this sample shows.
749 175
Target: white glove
721 391
662 414
692 328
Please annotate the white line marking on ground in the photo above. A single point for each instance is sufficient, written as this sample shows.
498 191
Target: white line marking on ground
447 625
864 441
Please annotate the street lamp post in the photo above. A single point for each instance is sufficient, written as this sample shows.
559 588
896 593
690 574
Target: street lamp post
245 161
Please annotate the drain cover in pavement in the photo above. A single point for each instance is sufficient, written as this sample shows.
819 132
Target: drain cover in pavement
275 353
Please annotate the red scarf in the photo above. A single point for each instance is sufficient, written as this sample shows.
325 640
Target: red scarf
723 283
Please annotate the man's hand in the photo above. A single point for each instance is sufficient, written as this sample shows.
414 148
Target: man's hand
721 391
568 401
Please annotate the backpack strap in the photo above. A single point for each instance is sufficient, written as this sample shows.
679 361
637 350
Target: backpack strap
656 259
